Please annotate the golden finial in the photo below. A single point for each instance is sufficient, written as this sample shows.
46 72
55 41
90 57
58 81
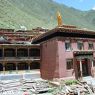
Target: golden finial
59 19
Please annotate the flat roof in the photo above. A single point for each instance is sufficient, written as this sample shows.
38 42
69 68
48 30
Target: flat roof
64 31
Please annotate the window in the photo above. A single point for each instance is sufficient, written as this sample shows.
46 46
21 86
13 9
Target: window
22 52
34 52
9 52
1 53
67 46
80 45
90 45
94 63
35 65
69 63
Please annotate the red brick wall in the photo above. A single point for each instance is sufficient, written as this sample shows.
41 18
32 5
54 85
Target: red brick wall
85 45
54 55
63 55
53 60
49 65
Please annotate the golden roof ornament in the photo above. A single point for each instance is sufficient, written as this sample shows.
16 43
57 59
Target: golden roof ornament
59 19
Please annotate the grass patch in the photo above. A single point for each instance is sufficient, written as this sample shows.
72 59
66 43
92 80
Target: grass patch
71 82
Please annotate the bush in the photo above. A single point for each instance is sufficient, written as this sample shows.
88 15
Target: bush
71 82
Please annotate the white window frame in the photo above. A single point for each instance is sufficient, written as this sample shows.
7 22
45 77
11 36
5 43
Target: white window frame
70 46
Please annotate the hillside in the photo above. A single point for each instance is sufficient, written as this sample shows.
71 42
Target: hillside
42 13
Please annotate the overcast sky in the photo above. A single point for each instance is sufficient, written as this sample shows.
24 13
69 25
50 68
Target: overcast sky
79 4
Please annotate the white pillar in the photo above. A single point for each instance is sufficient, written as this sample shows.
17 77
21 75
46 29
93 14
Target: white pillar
80 68
29 66
16 68
4 67
80 65
92 63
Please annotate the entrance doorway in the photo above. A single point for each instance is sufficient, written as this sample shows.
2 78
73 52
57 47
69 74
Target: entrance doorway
84 66
85 69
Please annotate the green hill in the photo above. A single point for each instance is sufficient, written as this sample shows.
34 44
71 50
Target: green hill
41 13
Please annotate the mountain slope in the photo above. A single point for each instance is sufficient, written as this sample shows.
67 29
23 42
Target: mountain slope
41 13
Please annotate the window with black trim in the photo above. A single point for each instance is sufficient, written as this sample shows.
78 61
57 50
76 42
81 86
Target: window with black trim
69 63
80 45
67 45
90 46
